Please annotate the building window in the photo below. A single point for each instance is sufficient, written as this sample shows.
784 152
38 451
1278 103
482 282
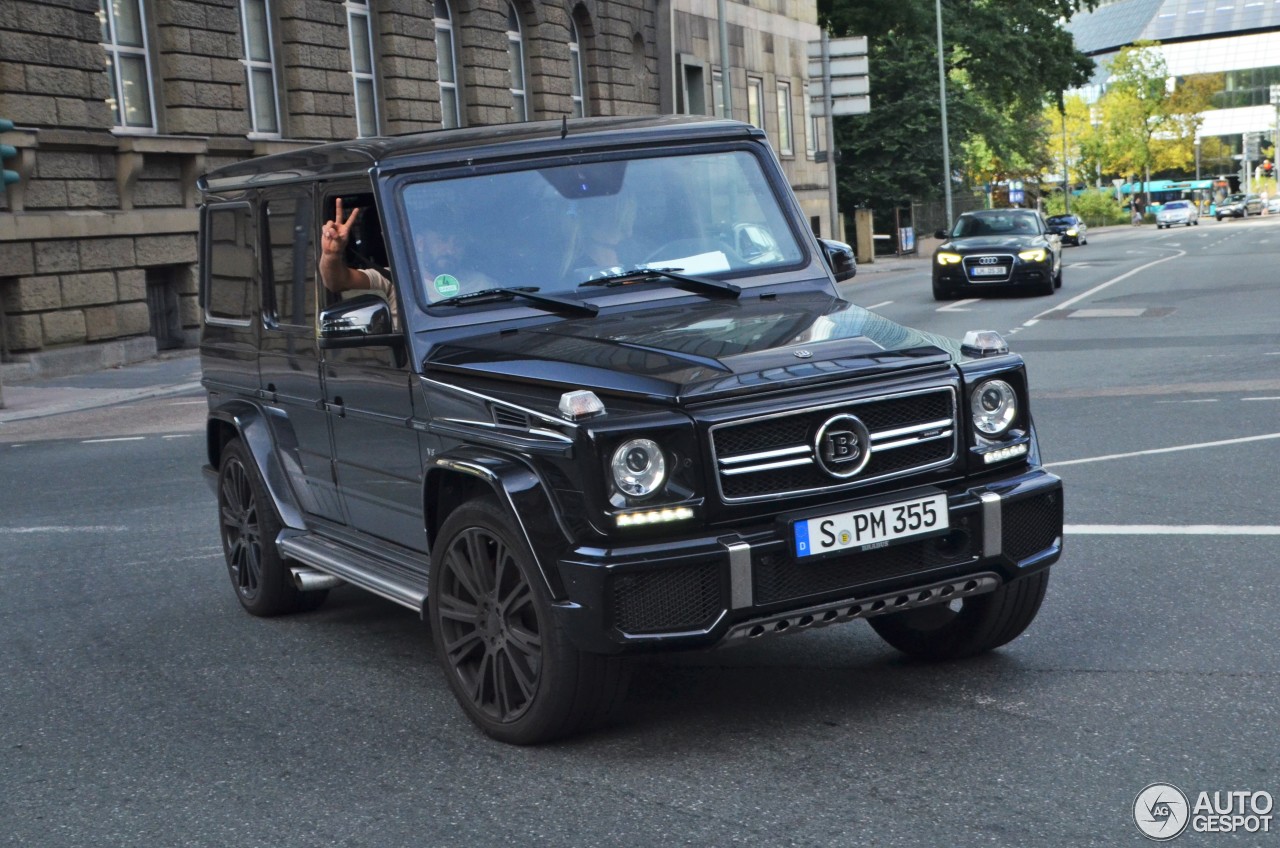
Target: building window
361 30
515 47
450 109
260 67
810 127
755 102
717 94
785 146
575 71
124 37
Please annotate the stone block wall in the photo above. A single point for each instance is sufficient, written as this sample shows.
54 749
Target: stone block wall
102 214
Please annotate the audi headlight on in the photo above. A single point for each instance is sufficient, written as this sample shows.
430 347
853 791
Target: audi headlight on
639 467
994 405
945 258
1036 255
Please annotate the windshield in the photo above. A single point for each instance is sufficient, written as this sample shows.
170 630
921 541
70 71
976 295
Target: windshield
1176 204
1062 219
1009 224
709 214
1234 198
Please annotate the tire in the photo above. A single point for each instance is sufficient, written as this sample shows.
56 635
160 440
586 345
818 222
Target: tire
980 623
249 525
1057 278
506 658
942 293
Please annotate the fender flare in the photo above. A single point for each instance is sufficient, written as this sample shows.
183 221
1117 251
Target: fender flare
269 442
519 489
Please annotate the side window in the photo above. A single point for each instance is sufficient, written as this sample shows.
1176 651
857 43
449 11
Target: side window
366 247
289 264
230 254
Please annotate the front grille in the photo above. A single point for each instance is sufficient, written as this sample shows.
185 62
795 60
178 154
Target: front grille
1031 525
781 577
1004 259
774 455
668 599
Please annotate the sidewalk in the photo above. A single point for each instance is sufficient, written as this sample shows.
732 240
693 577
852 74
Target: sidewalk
166 374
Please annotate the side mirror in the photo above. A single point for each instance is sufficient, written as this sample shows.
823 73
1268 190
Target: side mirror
362 321
941 234
840 259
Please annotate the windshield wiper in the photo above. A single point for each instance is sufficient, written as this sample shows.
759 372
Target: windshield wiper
525 292
620 278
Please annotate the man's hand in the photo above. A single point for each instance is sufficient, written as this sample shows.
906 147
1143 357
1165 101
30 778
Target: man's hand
333 239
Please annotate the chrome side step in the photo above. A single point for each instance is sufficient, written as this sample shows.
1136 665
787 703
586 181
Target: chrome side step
849 610
373 575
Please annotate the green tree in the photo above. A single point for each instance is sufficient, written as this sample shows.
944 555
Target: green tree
1003 58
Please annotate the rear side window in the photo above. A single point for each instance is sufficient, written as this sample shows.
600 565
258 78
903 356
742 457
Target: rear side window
230 251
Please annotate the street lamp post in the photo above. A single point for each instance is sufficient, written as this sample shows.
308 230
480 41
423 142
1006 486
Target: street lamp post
1066 174
942 95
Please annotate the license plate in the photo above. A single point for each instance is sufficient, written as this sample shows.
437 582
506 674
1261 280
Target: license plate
873 527
988 271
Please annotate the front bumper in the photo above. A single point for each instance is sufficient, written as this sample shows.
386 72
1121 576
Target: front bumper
1021 274
745 583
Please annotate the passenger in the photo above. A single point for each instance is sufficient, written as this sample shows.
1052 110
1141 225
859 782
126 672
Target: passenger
337 275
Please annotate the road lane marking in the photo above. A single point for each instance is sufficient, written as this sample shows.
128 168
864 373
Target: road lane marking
1091 292
62 528
1261 398
1171 530
117 439
1153 451
874 306
955 307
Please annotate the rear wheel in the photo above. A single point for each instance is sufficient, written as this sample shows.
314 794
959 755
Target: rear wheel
967 626
249 527
507 660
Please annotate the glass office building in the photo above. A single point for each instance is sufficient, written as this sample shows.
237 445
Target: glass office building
1236 39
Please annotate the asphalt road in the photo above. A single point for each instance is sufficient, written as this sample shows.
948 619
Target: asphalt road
140 706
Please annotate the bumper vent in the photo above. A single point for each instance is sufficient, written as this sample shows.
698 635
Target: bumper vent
668 599
1031 525
773 456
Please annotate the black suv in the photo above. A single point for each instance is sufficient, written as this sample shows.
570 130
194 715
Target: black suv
614 404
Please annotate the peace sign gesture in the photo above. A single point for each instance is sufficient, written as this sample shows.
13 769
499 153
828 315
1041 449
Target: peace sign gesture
333 239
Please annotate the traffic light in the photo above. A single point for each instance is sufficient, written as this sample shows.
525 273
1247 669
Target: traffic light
7 151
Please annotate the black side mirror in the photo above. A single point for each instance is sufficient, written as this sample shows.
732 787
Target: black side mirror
362 321
940 234
840 259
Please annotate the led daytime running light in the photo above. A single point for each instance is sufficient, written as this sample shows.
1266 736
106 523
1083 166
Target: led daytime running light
1004 453
1037 255
655 516
945 258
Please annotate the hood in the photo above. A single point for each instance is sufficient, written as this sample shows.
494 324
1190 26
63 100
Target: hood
699 352
1004 242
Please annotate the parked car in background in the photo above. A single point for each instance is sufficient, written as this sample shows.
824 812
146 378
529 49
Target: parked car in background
1070 228
1273 206
1182 212
997 249
1239 206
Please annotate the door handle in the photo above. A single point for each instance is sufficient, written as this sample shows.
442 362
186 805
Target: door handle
337 407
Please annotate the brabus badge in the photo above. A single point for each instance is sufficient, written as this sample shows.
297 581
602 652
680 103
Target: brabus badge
802 353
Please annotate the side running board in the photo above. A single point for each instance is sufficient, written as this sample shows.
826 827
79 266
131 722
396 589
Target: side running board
383 579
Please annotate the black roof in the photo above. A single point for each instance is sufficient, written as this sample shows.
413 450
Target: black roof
487 143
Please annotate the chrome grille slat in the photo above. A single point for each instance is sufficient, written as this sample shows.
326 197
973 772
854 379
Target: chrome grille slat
751 453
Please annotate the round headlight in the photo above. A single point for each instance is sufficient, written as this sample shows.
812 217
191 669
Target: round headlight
638 467
994 405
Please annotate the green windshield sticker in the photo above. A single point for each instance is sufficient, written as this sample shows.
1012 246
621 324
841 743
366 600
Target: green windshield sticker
446 285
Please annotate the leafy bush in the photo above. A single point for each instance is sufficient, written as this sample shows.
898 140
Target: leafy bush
1097 208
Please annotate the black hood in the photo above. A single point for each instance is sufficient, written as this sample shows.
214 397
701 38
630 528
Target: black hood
1001 242
716 348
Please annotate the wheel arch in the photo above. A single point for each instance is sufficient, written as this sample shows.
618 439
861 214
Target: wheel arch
453 478
249 423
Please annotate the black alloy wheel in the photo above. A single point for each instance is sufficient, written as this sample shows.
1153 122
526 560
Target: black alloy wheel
966 626
503 652
249 526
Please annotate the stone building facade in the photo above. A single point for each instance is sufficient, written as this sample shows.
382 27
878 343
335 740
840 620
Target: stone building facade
120 104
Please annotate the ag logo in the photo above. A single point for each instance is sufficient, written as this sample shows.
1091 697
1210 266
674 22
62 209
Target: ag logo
842 446
1161 811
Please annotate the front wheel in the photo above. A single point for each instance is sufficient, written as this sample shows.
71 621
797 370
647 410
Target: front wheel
506 658
966 626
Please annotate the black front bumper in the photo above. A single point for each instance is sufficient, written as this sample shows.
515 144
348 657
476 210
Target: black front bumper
697 592
1022 274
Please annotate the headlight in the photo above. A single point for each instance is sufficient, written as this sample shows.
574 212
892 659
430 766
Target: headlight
1073 231
948 258
639 468
1036 255
994 405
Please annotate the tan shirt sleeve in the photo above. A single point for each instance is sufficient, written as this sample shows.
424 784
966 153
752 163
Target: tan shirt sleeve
378 282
